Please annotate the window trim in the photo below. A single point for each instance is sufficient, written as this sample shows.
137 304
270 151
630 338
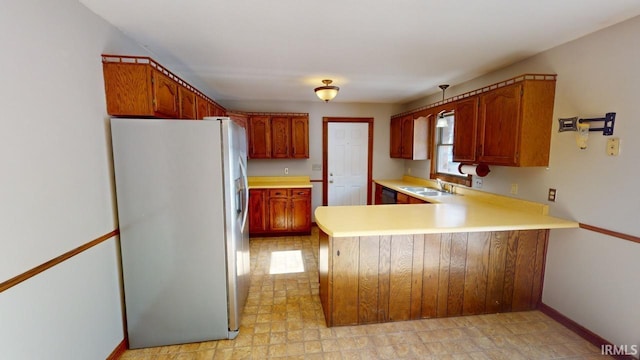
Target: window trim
434 174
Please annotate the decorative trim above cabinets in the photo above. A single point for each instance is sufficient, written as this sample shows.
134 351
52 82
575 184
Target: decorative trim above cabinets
507 124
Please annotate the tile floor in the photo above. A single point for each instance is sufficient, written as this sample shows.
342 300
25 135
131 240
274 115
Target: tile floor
283 319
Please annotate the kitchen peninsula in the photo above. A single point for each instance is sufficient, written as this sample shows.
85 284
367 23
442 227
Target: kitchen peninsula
467 254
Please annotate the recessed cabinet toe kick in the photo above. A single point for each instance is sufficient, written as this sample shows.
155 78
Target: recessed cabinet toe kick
427 272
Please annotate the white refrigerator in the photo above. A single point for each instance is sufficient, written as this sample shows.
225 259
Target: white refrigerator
182 196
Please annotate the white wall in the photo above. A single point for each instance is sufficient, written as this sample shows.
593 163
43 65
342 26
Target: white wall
56 190
591 278
383 166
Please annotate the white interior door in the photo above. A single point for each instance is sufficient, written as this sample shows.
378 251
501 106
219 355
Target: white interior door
347 163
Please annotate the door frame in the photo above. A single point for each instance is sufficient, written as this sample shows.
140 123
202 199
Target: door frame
325 153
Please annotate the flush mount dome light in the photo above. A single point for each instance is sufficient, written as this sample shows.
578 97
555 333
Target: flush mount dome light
326 92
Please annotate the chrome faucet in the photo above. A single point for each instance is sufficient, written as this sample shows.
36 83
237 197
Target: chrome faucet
443 186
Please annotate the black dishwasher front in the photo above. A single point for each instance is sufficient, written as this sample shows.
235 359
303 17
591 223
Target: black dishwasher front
388 196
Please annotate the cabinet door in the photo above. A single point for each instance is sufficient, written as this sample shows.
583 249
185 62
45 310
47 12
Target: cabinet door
395 142
187 103
258 214
378 196
413 200
202 108
300 137
402 198
300 210
280 137
127 89
219 110
500 125
465 126
259 137
406 148
165 95
278 210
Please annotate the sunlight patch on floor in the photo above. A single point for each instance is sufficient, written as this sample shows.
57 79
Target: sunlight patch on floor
286 262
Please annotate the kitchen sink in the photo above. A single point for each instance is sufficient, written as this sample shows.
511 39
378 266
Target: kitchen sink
424 191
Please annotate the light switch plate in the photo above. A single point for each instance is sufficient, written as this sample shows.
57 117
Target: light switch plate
613 146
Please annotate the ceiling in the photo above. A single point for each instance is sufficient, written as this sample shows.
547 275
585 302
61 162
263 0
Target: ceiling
375 51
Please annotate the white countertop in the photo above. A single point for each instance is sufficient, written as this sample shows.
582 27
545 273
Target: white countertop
279 182
452 213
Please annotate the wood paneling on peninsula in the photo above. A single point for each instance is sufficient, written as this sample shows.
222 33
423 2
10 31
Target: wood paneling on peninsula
373 279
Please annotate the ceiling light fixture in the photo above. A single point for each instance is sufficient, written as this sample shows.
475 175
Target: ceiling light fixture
326 92
442 122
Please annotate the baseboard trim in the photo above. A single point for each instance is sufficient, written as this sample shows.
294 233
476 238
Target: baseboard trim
580 330
119 350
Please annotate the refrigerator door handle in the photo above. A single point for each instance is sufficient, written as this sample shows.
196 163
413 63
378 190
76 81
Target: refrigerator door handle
243 171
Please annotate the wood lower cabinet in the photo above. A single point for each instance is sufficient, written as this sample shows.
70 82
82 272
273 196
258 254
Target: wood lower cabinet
374 279
402 198
258 212
279 211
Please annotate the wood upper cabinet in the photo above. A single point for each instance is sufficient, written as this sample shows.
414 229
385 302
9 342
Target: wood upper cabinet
278 137
218 110
300 137
409 137
139 90
509 126
279 211
164 95
202 107
515 124
395 141
187 100
259 137
138 86
465 128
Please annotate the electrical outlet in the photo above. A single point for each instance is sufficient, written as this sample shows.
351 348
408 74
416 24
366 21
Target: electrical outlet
286 171
514 189
477 182
553 194
613 146
409 171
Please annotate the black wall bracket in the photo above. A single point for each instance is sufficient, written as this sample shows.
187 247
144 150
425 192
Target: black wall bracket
570 124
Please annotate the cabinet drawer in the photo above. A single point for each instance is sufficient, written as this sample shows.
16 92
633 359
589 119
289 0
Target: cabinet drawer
300 192
278 193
